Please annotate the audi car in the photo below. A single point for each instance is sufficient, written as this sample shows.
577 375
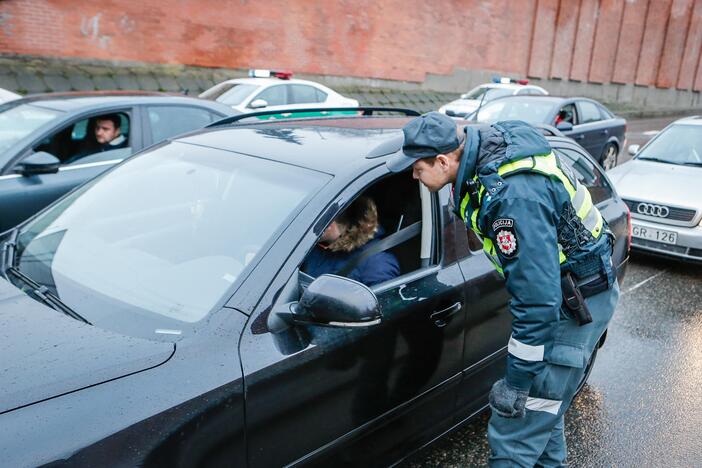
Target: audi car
586 121
161 314
48 145
661 186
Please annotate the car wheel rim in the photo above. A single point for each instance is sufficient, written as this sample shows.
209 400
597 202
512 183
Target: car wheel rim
610 158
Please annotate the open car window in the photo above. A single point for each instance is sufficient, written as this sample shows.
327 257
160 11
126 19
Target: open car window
403 243
77 141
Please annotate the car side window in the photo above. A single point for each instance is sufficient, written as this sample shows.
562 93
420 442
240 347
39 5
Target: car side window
168 121
88 136
587 173
567 114
303 94
589 111
606 114
387 210
274 95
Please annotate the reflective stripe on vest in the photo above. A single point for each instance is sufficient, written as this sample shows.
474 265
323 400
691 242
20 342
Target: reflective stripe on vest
547 165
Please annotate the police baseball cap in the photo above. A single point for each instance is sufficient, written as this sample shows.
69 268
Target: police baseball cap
425 137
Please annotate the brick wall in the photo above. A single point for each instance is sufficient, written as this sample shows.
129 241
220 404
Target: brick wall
646 42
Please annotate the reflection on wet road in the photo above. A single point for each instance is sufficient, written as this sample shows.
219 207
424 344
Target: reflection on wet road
642 405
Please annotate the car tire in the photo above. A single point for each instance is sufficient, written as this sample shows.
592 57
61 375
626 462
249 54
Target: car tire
610 153
588 370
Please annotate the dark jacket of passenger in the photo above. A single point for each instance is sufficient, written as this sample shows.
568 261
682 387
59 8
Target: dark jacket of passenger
373 270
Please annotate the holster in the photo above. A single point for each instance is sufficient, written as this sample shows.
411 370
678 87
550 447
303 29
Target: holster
573 299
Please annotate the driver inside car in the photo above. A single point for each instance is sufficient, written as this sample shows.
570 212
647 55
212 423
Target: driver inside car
340 249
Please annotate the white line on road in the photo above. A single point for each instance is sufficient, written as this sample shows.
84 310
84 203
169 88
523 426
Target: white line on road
650 133
639 284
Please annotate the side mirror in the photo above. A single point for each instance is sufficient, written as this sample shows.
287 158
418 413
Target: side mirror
565 126
258 104
330 301
633 149
38 163
464 96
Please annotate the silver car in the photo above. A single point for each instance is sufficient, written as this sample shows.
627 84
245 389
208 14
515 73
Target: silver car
662 185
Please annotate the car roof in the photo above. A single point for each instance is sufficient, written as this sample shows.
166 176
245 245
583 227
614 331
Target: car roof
270 81
331 145
95 99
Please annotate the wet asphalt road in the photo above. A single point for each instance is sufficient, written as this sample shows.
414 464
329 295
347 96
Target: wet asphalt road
642 405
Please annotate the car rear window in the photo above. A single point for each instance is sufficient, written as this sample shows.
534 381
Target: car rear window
587 173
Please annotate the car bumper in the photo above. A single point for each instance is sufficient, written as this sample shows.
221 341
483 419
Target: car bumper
688 245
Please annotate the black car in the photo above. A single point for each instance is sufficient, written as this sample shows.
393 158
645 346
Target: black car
587 121
48 147
185 334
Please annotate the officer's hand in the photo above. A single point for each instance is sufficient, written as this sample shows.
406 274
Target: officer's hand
507 401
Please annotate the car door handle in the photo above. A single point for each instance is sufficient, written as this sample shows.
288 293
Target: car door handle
605 132
579 137
440 316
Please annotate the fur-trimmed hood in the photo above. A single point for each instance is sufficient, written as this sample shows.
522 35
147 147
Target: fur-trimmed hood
359 224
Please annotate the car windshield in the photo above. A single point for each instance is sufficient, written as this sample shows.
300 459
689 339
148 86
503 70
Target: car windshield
527 109
679 144
160 239
490 93
231 94
16 122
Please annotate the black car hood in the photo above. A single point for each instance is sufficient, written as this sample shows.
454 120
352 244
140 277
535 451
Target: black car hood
44 354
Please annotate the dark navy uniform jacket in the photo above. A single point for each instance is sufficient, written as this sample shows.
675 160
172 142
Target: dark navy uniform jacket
533 203
373 270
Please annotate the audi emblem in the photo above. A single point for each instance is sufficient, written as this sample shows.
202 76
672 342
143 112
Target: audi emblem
649 209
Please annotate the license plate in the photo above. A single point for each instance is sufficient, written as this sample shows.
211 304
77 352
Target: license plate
658 235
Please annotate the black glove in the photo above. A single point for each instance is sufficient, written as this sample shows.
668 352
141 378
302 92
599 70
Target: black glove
507 401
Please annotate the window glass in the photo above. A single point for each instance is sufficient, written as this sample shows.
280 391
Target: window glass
167 121
383 209
303 94
567 114
489 92
590 112
527 109
321 95
231 94
606 114
86 137
678 144
274 96
587 173
129 257
17 122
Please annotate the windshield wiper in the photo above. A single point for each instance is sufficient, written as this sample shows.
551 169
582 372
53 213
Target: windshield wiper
46 296
656 160
692 163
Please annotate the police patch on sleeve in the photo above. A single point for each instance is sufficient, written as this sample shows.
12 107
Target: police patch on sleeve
506 237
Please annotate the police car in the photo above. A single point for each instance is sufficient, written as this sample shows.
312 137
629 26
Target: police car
275 90
500 87
6 96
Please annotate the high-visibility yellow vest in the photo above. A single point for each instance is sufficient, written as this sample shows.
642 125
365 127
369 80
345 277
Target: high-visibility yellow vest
545 164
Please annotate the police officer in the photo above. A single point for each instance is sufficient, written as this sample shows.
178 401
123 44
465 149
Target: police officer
542 232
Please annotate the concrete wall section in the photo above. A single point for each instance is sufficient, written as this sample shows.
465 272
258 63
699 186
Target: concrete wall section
674 44
630 40
606 41
566 27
